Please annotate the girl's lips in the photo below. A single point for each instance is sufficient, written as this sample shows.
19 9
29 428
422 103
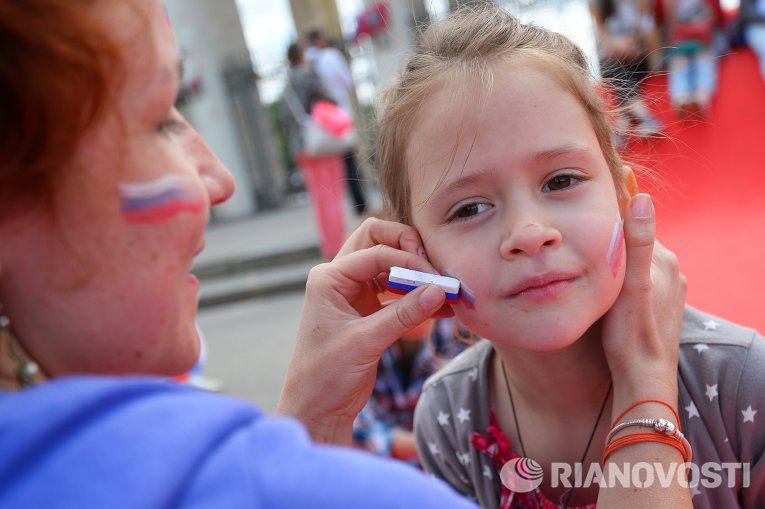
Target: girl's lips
549 291
543 287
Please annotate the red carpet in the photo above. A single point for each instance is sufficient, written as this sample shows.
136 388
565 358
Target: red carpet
710 207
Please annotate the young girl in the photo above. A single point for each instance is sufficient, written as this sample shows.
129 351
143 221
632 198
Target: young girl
495 146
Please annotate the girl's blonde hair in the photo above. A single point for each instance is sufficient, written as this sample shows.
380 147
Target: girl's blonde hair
466 44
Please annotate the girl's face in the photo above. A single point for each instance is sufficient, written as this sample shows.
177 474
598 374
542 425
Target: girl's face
102 284
526 214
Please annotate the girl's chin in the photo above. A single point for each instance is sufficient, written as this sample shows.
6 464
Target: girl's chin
538 340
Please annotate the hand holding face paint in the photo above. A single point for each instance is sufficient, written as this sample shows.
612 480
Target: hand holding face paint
344 329
641 331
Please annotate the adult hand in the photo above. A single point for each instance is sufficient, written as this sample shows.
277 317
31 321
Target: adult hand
344 329
641 332
641 337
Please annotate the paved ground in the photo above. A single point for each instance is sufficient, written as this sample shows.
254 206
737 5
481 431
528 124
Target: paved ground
250 342
249 345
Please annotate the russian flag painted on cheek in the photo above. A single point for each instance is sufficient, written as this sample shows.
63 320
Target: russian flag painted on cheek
161 199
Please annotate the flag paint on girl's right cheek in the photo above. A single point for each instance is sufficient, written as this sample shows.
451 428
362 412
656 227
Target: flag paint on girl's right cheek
616 249
161 199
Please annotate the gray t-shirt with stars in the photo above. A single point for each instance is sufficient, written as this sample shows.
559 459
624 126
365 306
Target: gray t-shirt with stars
721 381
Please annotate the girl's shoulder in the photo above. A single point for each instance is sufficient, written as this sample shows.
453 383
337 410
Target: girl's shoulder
703 328
722 403
717 355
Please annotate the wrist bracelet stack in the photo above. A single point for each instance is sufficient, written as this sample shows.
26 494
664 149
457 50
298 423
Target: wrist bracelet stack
664 432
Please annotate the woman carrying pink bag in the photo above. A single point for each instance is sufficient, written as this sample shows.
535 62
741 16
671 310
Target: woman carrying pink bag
308 135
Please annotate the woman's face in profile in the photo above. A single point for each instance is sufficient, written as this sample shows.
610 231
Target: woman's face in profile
104 287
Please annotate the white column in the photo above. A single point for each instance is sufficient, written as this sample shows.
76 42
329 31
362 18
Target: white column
209 32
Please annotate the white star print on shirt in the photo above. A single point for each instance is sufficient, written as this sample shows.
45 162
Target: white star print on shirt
487 471
692 410
433 448
711 392
464 459
700 347
443 418
749 414
463 415
710 325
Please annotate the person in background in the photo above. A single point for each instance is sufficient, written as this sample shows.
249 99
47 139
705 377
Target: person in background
335 74
385 424
689 27
752 19
323 175
626 33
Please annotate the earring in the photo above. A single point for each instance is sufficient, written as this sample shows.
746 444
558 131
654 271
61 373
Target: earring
27 371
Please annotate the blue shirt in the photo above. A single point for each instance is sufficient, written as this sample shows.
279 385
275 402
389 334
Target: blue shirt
145 443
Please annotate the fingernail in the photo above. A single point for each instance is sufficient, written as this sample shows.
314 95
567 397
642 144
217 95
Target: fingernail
421 252
430 297
642 206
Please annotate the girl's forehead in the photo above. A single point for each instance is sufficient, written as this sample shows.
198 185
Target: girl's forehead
523 115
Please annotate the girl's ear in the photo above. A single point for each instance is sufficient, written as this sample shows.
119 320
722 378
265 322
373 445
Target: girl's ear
627 188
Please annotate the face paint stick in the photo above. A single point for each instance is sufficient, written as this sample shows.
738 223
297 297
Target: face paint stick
161 199
616 249
402 281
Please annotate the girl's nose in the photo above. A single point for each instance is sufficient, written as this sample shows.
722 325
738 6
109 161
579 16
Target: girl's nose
528 237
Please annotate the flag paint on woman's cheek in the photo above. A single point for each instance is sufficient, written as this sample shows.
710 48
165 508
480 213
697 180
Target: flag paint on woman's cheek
161 199
616 249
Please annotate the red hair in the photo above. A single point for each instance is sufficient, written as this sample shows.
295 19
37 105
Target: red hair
57 72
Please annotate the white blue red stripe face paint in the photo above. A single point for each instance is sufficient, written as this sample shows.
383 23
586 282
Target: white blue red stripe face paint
401 281
616 249
161 199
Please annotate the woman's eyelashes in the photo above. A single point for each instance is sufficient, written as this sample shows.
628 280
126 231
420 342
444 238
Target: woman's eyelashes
171 126
173 123
562 181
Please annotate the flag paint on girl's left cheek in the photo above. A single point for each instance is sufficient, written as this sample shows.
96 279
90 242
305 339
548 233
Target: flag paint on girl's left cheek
161 199
616 249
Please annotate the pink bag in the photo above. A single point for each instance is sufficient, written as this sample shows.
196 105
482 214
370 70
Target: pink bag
332 118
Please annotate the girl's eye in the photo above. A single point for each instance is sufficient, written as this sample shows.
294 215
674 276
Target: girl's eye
560 182
468 211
